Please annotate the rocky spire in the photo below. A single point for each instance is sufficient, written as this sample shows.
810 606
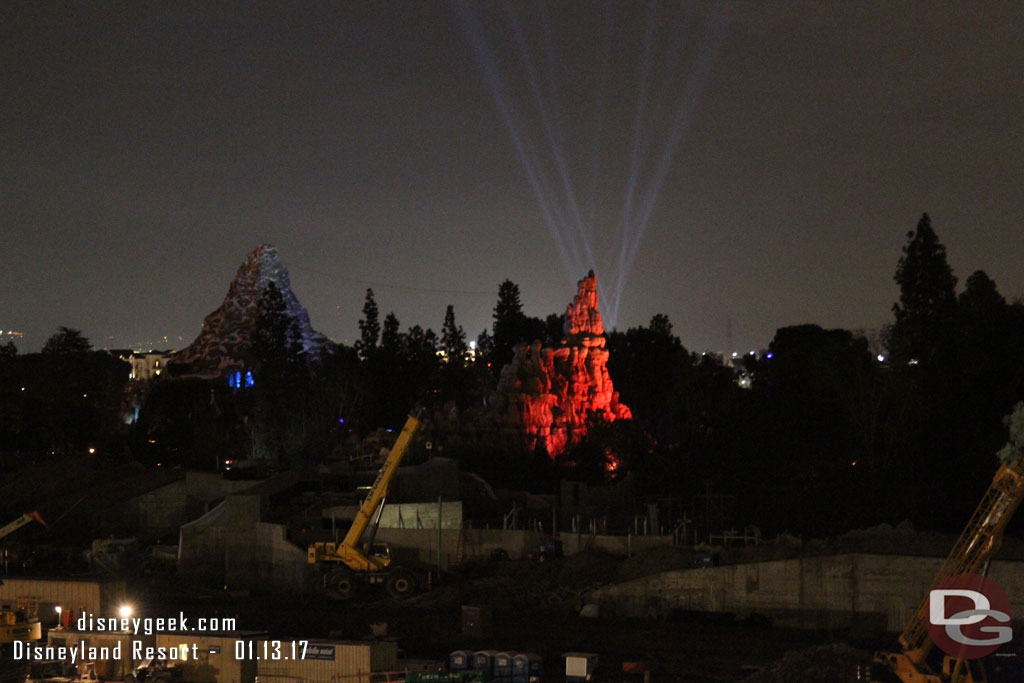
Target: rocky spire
551 395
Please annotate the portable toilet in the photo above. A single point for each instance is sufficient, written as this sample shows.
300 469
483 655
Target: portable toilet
527 667
503 667
483 661
579 666
459 660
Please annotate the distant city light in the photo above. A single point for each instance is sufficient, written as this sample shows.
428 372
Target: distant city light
881 358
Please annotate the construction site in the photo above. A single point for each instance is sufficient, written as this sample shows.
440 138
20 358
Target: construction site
409 553
417 591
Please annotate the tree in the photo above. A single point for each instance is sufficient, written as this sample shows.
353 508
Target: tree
453 339
8 351
509 321
66 341
369 327
277 342
926 311
982 309
280 409
390 339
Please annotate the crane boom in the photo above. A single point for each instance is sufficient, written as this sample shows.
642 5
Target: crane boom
380 485
977 544
20 522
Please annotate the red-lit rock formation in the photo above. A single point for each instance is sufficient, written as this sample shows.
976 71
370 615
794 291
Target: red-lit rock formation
553 394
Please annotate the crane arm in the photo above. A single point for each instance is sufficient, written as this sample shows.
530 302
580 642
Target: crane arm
20 522
380 486
977 544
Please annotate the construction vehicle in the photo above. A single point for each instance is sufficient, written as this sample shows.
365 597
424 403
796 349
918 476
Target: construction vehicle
352 561
975 548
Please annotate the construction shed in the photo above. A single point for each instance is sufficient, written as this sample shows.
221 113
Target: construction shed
331 661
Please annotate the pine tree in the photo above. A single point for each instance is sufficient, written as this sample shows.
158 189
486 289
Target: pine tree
369 327
508 325
926 312
390 338
453 339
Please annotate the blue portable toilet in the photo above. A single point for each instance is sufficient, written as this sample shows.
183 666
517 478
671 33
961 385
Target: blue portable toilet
527 667
459 660
503 667
483 660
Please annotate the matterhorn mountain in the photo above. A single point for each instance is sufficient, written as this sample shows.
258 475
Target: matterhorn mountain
225 343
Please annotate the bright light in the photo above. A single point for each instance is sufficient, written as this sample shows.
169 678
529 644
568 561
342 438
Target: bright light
881 358
58 609
92 451
125 611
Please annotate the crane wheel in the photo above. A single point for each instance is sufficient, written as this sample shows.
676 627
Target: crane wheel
401 583
340 585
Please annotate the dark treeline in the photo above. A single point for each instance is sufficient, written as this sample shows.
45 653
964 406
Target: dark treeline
822 432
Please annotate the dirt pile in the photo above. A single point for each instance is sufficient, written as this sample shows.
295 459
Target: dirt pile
655 561
822 664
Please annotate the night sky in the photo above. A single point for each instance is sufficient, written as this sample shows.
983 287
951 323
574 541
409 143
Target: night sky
784 150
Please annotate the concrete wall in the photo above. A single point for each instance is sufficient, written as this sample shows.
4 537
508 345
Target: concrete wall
403 515
623 546
837 591
166 509
230 545
160 511
262 557
420 546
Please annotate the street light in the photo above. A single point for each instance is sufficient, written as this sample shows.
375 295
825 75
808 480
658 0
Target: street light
58 609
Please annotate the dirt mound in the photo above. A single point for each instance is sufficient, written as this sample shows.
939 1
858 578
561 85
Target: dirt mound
822 664
587 568
656 560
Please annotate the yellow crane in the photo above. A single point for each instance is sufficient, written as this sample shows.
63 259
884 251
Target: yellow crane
352 560
976 546
20 522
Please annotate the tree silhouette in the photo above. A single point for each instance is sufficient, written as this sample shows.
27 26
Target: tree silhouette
369 327
453 339
66 341
926 311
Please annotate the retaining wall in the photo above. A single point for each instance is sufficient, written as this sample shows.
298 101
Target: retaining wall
877 592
